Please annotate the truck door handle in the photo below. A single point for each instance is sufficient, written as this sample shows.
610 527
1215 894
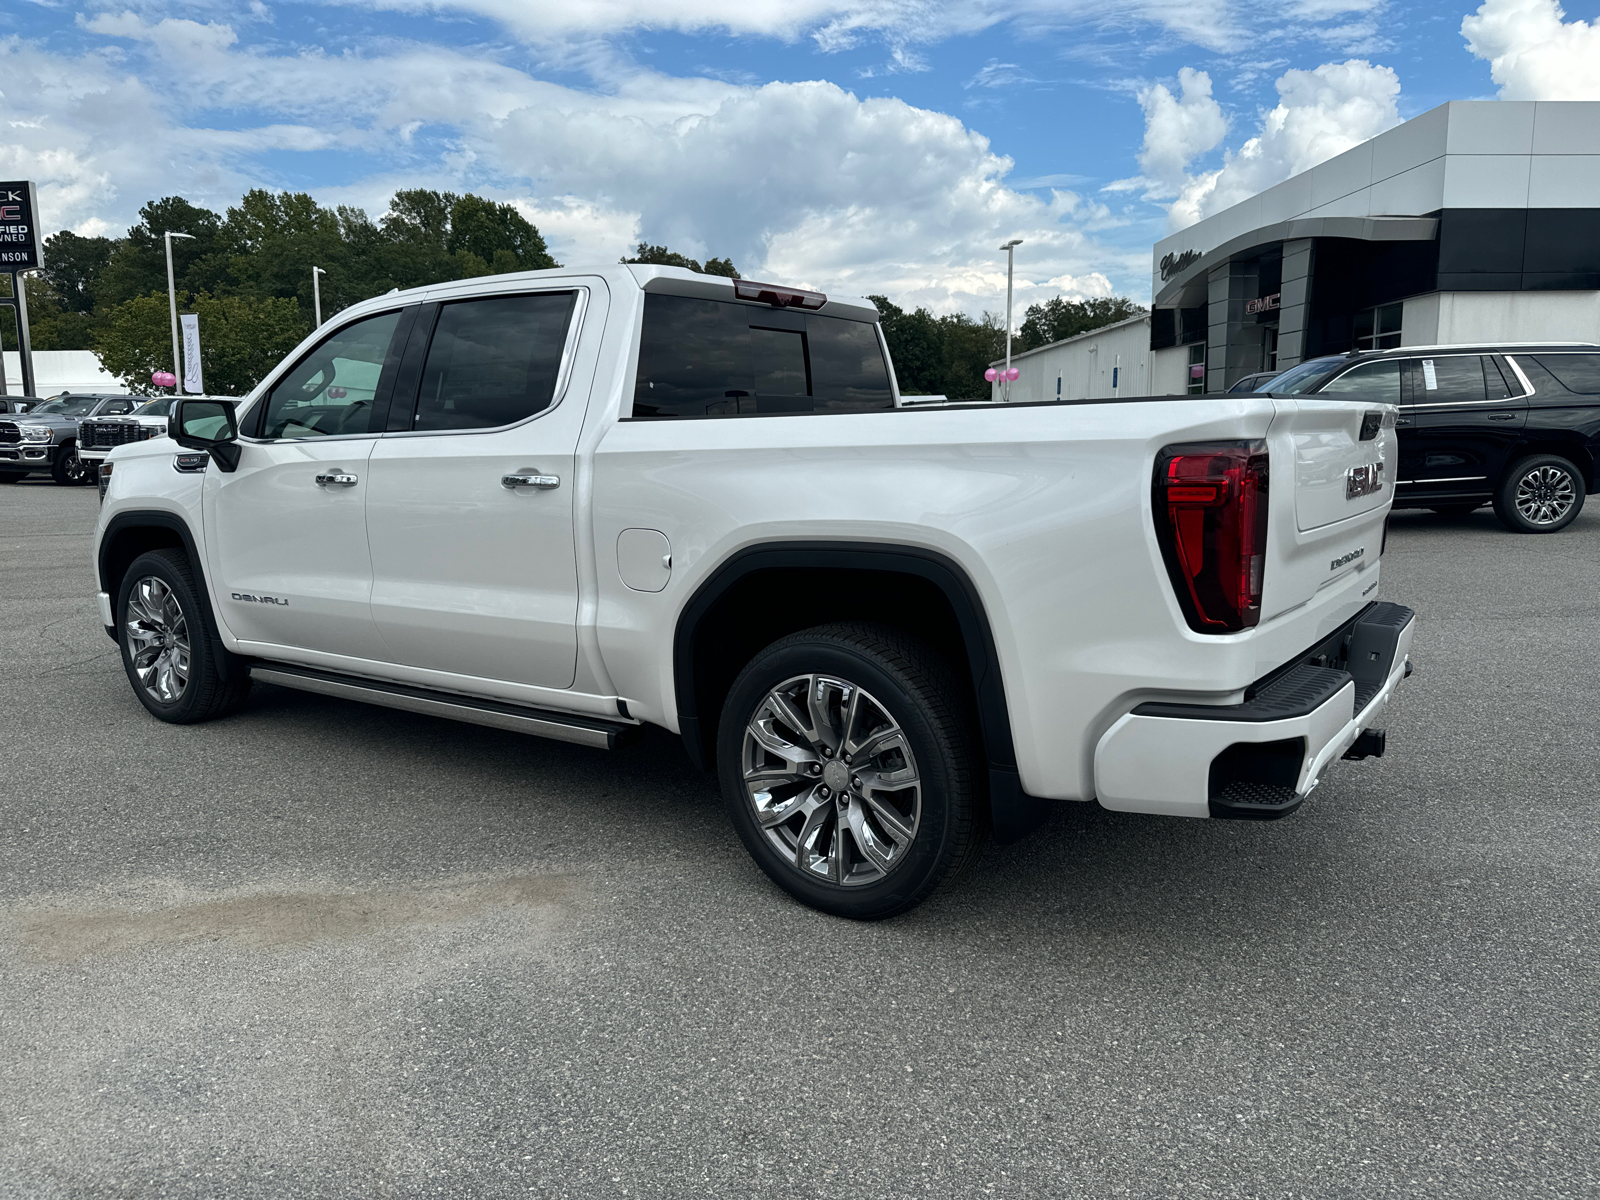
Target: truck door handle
337 479
1402 420
1503 417
512 482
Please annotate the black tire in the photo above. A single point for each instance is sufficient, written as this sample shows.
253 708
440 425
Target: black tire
909 699
1455 510
68 469
214 682
1541 493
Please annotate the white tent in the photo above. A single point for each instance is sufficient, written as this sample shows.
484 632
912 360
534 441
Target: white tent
58 371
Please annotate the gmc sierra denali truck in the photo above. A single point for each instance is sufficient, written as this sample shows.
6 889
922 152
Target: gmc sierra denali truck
573 502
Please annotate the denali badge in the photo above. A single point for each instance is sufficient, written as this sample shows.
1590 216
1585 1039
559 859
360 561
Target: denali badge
258 599
1363 480
1343 560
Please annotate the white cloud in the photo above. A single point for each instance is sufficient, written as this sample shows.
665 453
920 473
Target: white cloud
1178 129
1533 54
1320 113
802 182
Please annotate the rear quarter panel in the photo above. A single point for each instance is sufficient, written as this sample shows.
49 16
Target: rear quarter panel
1047 509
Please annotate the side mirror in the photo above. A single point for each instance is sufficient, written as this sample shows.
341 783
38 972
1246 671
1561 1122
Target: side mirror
207 425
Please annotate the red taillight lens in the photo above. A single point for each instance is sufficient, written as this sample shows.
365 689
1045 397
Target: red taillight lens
1210 506
779 297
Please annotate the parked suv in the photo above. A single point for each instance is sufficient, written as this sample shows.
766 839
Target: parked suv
1516 425
46 437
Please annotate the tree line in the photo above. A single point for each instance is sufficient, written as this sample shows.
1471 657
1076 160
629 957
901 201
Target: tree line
247 273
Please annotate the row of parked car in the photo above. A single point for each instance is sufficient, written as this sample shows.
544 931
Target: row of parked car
70 435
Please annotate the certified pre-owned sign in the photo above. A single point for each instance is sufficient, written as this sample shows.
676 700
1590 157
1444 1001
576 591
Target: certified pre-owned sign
19 227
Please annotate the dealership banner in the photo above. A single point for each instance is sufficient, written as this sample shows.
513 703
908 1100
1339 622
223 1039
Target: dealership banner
19 227
191 353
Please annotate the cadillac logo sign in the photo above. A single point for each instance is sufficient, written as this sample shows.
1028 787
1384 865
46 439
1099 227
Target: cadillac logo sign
1173 263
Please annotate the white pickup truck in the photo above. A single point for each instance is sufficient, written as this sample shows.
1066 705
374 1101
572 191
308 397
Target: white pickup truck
569 503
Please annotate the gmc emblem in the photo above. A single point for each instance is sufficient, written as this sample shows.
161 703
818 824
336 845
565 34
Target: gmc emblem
1363 480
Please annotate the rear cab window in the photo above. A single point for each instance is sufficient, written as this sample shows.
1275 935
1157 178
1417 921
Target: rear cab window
724 358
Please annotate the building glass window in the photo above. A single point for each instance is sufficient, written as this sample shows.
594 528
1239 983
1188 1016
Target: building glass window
1197 377
1269 348
1379 328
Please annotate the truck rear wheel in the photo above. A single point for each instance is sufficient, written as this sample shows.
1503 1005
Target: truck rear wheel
1539 494
848 768
169 647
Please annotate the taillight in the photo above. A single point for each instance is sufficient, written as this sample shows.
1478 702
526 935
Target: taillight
1210 504
778 297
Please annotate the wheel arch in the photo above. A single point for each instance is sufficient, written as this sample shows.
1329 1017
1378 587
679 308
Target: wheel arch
138 531
919 590
1573 449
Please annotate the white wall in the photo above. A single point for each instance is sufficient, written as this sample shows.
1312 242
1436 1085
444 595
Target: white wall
1513 317
1083 365
61 371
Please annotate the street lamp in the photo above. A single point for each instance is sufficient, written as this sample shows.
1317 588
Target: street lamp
172 305
1011 251
316 294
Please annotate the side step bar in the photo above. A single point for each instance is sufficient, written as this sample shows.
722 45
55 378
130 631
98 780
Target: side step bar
540 722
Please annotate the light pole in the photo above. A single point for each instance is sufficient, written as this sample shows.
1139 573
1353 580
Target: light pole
1011 251
172 305
316 294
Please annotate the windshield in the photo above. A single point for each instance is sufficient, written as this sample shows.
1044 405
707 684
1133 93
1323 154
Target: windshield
156 408
1307 377
75 407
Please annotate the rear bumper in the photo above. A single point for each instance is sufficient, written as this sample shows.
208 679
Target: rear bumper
1261 758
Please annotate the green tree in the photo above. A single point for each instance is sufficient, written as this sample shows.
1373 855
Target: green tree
940 356
660 256
498 234
1060 318
241 339
73 266
138 264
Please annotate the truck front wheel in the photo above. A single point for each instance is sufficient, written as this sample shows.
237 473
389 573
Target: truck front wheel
847 761
169 649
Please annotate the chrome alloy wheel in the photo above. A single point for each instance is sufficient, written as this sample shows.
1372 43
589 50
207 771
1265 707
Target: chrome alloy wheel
832 779
1545 495
158 639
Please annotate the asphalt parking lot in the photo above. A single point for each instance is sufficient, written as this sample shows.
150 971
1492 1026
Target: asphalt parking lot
326 950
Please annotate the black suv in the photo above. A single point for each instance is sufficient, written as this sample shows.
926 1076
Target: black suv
1513 425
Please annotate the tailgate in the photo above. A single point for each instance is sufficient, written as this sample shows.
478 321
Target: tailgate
1338 472
1327 532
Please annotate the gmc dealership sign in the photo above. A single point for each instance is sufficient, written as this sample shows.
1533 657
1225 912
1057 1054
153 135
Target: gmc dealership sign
19 229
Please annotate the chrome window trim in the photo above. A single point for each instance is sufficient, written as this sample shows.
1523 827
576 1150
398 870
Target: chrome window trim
1448 479
246 407
1527 386
569 355
1480 356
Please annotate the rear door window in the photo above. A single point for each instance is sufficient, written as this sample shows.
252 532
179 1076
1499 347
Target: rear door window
493 361
1457 379
1576 372
1378 382
714 358
333 389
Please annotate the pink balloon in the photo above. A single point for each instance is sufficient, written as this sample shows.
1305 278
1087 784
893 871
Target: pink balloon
163 379
991 375
1013 373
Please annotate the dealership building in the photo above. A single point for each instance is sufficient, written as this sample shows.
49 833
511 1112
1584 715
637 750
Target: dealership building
1478 221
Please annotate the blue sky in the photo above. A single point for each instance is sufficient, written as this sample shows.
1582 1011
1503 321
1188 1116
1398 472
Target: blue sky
854 145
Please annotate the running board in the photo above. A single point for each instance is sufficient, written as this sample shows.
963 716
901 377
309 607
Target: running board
540 722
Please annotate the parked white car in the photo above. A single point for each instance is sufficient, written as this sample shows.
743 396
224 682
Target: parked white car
573 502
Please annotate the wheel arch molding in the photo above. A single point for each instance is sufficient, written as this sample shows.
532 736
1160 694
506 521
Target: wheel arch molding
138 531
806 583
1574 449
